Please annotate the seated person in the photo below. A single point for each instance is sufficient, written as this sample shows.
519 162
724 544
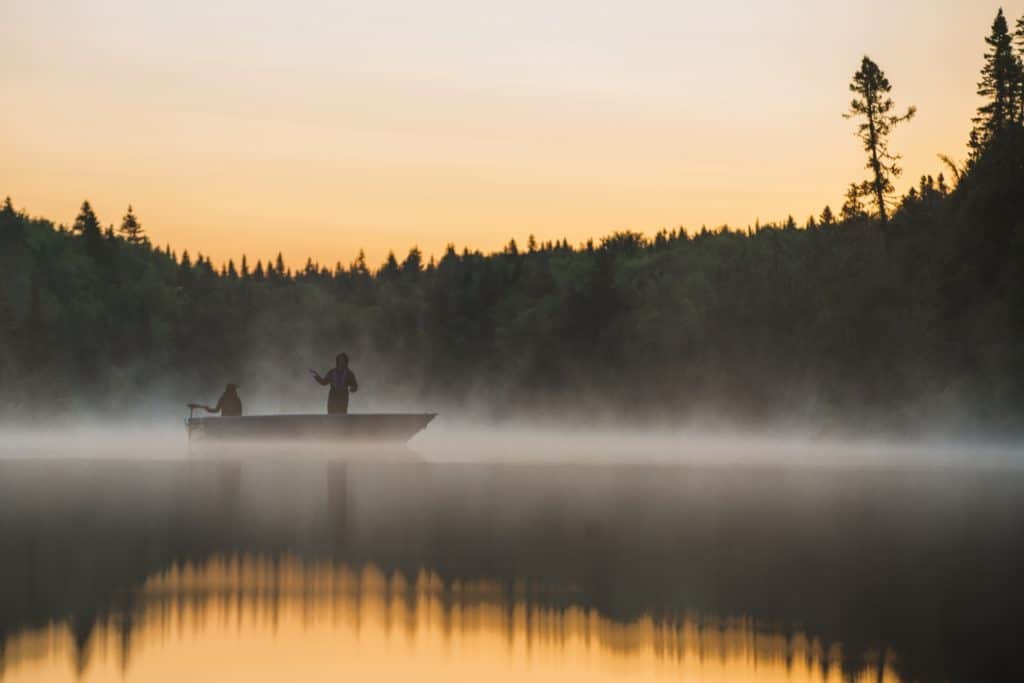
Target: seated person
229 404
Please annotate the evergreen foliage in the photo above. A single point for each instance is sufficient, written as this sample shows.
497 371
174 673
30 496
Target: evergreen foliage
1000 86
86 224
131 229
874 106
1019 40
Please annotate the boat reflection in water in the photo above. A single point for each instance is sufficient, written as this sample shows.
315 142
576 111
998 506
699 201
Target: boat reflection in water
270 618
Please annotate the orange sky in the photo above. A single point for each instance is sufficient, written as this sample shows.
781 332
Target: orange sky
319 128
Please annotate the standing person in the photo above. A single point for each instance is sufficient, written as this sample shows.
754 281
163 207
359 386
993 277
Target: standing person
341 380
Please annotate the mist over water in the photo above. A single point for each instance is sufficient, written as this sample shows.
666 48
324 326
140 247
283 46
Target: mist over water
454 439
701 546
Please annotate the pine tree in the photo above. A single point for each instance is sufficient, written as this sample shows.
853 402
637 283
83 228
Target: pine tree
11 229
131 229
827 218
927 186
1019 39
853 207
279 266
86 223
245 268
390 267
358 266
874 105
912 198
999 86
413 263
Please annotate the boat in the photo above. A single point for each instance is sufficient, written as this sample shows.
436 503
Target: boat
364 428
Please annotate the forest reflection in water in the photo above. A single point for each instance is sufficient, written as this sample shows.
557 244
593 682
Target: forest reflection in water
918 566
265 618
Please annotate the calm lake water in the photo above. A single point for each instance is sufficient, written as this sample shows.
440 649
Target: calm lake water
120 571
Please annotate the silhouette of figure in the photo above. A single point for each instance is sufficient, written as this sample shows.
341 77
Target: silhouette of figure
229 404
341 380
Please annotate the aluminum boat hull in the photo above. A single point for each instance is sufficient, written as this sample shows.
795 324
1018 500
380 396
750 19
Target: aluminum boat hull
326 429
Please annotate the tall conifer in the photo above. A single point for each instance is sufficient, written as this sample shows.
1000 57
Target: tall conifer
1019 39
999 86
874 105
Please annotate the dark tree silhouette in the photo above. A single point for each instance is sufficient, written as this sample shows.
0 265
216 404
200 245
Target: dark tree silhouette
413 263
874 105
1019 39
10 225
86 223
131 229
390 269
853 208
999 86
358 268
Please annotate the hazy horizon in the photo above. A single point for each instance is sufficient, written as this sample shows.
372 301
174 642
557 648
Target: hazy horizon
323 129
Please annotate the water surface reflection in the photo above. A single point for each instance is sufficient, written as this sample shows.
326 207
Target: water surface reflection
717 568
263 618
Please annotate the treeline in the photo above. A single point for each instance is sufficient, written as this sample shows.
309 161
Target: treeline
893 308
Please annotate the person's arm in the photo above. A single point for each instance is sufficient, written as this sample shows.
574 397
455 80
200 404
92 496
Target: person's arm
352 384
217 409
322 381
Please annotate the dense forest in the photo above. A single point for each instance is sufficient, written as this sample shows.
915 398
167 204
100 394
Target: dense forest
899 309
